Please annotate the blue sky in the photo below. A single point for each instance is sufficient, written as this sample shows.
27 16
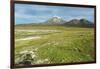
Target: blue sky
25 13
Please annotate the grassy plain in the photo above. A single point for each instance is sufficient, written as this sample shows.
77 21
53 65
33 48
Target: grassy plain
56 44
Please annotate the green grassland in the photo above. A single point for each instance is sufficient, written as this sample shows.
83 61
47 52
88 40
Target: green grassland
63 45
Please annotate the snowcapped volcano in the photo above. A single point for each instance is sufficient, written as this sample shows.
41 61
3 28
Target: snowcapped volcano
55 20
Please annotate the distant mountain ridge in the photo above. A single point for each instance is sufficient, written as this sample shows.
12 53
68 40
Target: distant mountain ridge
79 23
74 22
60 21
